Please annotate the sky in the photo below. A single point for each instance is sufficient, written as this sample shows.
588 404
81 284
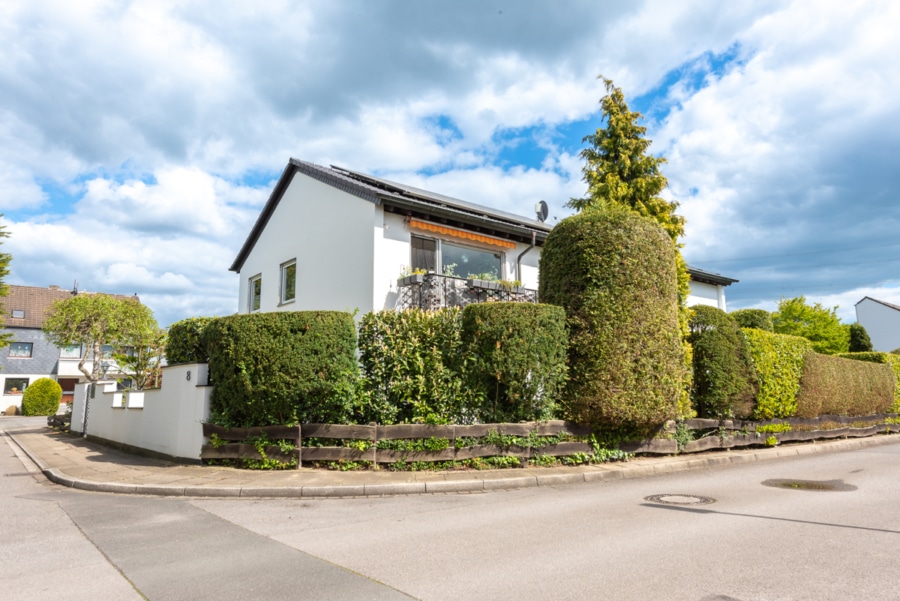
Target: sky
139 140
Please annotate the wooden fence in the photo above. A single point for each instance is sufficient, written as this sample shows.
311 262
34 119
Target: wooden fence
717 434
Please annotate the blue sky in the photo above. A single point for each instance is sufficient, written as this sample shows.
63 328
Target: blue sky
140 139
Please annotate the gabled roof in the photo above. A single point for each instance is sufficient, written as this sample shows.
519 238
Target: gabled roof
708 277
27 306
399 198
875 300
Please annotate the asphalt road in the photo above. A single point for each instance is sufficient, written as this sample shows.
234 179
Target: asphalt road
600 540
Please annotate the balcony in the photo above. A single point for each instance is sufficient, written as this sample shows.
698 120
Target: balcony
432 291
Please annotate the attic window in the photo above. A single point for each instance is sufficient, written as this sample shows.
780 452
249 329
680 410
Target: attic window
18 313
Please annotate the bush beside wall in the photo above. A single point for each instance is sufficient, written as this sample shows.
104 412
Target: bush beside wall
41 397
282 368
185 344
518 353
778 363
837 386
613 272
724 381
891 359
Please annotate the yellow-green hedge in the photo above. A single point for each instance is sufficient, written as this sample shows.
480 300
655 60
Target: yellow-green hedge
888 358
836 386
778 361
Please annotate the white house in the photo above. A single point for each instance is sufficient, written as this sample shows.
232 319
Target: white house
882 322
331 238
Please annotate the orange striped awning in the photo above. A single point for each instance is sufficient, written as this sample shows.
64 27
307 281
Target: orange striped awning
451 231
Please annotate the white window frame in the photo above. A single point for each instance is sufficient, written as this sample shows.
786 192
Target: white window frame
439 253
250 293
284 287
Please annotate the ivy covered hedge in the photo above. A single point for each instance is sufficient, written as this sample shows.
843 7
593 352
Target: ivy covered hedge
518 359
888 358
614 273
412 364
724 379
184 344
282 368
778 361
836 386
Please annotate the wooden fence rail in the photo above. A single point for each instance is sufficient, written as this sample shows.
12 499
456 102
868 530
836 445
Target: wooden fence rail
718 434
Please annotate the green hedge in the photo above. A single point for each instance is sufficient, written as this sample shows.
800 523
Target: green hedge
778 363
518 355
41 397
837 386
754 318
411 362
724 380
859 339
184 344
282 368
614 273
891 359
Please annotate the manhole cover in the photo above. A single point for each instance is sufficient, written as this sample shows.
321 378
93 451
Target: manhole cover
817 485
680 499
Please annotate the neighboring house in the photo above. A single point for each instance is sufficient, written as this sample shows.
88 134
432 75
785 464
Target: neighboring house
331 238
882 322
30 355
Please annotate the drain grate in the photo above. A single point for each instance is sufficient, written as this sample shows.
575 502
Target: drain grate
674 499
816 485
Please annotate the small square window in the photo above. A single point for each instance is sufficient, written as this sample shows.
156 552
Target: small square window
289 282
255 293
20 350
18 313
15 385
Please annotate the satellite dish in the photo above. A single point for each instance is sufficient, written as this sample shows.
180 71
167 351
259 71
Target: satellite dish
542 211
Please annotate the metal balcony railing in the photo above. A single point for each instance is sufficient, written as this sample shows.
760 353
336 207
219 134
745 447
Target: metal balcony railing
432 291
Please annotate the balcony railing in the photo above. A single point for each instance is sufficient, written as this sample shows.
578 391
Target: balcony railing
431 291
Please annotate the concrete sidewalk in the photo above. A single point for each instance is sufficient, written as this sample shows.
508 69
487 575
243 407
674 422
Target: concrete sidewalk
69 460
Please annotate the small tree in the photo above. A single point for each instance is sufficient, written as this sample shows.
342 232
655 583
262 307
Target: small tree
5 260
142 359
817 324
859 339
95 320
754 318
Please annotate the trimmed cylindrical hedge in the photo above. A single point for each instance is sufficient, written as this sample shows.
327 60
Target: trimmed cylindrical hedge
282 368
890 359
724 380
41 397
778 363
518 358
412 363
837 386
614 273
185 343
754 318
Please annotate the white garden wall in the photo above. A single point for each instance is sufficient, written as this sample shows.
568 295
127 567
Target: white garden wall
165 420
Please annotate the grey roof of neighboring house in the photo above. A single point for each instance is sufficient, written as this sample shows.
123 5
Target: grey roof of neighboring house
708 277
880 302
401 198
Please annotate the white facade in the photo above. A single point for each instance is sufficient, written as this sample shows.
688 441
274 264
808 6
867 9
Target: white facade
164 420
881 321
703 293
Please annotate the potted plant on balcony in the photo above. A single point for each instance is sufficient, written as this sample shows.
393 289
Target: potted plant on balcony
410 276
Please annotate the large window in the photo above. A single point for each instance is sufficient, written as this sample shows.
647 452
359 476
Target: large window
453 259
21 350
255 293
15 385
289 282
72 351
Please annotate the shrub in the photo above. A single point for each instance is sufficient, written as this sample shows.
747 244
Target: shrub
281 368
888 358
778 363
838 386
859 339
613 272
754 318
411 362
41 397
185 343
724 380
518 358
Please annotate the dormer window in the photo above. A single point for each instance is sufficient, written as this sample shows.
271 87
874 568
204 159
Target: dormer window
18 313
